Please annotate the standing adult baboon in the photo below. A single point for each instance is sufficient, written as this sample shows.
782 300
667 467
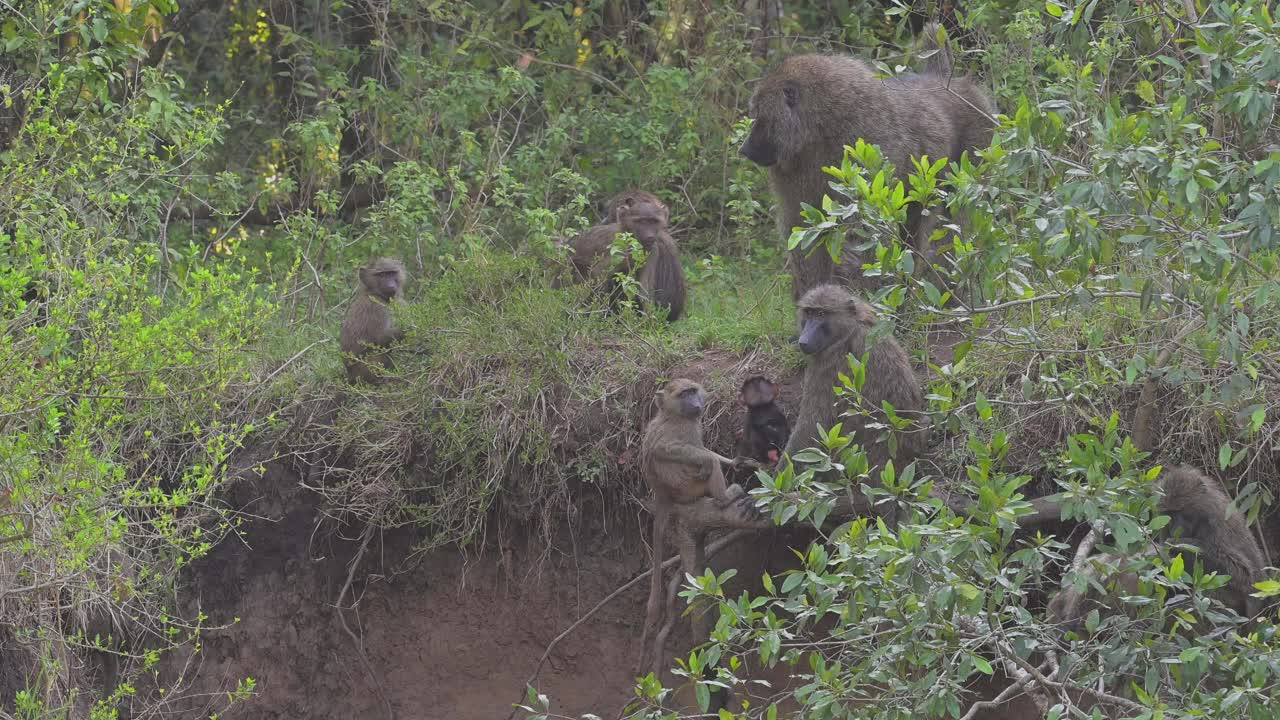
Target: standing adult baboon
680 470
661 278
833 324
367 328
628 198
1200 515
811 106
765 430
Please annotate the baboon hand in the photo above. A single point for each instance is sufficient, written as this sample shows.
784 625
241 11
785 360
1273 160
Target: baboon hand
732 493
742 461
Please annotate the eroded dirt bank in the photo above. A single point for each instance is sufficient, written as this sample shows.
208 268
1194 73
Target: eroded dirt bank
450 634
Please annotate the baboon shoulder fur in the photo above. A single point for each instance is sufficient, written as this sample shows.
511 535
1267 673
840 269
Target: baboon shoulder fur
811 106
888 377
662 278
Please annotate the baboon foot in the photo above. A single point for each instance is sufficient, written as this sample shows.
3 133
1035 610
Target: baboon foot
744 509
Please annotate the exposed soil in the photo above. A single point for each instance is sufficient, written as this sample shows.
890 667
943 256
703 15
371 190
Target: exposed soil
453 636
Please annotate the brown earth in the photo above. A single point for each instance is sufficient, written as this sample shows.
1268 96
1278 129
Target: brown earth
451 635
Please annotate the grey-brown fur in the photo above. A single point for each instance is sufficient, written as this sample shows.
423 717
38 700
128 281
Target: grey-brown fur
811 106
661 278
1198 515
628 198
888 377
367 329
680 470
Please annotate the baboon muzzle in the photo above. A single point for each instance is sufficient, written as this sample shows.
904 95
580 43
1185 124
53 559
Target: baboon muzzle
814 337
759 151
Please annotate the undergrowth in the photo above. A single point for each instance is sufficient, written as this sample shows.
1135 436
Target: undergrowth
509 395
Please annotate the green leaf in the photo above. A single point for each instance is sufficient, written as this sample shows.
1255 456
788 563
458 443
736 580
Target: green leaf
1053 9
1224 456
1176 568
983 666
1147 92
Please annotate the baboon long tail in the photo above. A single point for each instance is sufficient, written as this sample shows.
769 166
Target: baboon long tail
940 60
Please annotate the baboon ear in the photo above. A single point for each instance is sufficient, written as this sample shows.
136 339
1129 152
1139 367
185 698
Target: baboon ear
791 94
864 313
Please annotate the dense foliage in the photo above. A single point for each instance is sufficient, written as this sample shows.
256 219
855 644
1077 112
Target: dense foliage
186 188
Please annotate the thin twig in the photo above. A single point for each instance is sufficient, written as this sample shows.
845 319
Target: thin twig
351 572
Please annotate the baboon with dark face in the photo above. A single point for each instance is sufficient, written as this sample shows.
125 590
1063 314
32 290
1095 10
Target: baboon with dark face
629 198
1199 515
811 106
661 278
832 324
680 470
765 431
367 329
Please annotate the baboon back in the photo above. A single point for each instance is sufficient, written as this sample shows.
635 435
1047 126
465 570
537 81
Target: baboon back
662 279
1197 509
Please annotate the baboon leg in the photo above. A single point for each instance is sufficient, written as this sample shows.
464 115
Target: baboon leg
673 616
809 268
723 493
693 561
653 610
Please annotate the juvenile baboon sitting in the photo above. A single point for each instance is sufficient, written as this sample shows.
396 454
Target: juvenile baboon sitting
367 328
661 278
832 325
765 430
1200 516
680 470
811 106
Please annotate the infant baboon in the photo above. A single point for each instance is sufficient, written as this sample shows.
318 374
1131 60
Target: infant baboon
367 328
661 278
628 198
832 324
811 106
680 470
1198 516
765 431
